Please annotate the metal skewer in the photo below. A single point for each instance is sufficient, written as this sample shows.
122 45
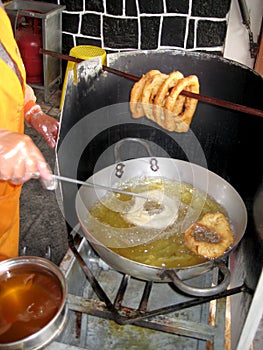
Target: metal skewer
202 98
102 187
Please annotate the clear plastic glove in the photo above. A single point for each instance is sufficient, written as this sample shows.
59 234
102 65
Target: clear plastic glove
20 159
45 125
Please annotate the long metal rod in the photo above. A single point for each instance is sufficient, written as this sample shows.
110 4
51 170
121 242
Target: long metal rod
202 98
102 187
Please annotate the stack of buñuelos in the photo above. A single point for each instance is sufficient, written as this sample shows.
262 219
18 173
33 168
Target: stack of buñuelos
157 96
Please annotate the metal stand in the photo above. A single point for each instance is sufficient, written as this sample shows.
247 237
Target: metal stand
178 318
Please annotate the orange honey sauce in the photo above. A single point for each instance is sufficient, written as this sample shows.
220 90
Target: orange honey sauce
28 302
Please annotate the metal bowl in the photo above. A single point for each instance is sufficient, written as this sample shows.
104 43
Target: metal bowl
33 304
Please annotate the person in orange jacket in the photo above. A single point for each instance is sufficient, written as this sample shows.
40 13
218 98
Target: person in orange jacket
20 158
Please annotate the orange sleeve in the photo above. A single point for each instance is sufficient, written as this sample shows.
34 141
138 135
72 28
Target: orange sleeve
30 106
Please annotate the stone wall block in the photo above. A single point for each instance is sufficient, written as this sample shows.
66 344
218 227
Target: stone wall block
131 8
210 8
91 24
82 40
120 33
94 5
211 33
191 34
149 32
73 5
173 31
70 22
114 7
151 6
177 6
67 42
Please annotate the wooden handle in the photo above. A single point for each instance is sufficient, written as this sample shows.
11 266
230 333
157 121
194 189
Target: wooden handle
199 97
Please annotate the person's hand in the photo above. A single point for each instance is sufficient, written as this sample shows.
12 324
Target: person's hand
20 159
46 126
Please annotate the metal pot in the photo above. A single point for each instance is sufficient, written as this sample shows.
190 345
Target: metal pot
51 274
172 169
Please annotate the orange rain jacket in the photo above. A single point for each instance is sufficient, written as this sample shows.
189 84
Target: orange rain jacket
12 98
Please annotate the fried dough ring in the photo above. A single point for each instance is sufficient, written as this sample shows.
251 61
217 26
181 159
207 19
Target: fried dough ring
181 122
136 94
150 91
210 237
163 93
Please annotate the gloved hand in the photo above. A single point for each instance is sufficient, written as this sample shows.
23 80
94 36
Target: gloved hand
20 159
41 122
44 124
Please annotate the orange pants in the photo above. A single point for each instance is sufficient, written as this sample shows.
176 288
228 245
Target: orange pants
9 221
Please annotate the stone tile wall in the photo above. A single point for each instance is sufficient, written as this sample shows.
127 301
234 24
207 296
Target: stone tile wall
118 25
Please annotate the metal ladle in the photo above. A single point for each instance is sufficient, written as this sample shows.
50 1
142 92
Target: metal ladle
52 185
120 238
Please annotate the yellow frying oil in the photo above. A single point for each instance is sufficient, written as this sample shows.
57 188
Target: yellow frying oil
169 251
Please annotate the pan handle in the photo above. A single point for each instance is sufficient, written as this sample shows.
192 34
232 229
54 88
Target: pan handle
120 166
130 139
201 292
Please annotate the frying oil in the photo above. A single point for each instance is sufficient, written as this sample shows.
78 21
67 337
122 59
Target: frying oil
28 301
167 249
